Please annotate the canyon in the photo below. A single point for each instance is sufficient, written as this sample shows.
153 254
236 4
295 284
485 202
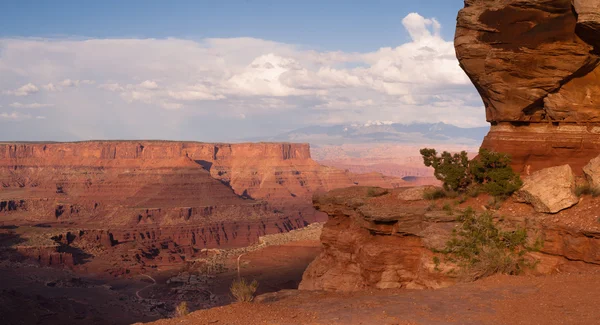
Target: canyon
153 203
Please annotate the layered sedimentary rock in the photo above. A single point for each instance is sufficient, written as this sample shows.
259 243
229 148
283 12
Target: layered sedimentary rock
378 238
536 65
374 240
176 196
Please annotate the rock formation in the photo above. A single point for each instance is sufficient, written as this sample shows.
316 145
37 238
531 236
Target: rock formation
175 196
592 173
376 239
370 241
536 65
549 190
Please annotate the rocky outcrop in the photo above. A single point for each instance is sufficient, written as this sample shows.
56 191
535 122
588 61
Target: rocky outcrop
416 193
373 240
549 190
592 172
536 65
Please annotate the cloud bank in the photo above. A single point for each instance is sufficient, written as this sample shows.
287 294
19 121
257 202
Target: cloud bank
223 89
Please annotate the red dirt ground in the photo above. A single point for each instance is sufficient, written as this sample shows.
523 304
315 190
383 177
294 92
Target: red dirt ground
557 299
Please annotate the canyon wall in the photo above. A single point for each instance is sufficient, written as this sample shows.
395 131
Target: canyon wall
536 65
164 199
283 174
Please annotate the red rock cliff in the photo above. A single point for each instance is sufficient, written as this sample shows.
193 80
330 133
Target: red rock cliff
536 65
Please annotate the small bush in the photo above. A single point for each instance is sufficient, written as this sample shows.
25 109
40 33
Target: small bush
448 209
587 190
376 192
474 190
243 291
492 170
434 194
181 309
480 249
495 202
431 207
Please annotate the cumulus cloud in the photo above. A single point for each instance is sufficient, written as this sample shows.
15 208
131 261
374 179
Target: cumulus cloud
66 83
24 90
171 82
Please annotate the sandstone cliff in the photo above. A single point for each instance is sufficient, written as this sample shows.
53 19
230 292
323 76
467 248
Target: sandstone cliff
167 199
536 65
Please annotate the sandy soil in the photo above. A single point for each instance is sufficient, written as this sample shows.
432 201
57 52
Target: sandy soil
557 299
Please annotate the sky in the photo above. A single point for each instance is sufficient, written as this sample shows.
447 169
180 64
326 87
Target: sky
219 70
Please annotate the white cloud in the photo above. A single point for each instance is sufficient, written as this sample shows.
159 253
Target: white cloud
149 84
31 105
66 83
172 80
14 116
24 90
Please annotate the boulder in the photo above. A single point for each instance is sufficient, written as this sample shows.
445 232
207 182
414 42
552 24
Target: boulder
592 172
415 193
549 190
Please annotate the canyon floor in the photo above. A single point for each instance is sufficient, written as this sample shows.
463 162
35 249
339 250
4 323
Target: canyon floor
557 299
31 294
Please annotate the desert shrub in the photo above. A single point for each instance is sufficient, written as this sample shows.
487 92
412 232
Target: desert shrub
434 194
490 172
479 248
495 202
451 169
448 209
461 199
587 190
376 192
493 171
474 190
242 290
431 207
181 309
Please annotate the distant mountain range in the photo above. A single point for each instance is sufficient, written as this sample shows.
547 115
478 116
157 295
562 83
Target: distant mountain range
382 132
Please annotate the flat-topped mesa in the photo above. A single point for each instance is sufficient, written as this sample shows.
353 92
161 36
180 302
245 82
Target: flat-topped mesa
536 65
163 182
101 153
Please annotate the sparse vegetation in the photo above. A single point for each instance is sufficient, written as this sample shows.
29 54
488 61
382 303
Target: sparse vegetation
587 190
431 207
480 248
452 169
376 192
242 290
490 172
448 209
434 194
495 202
181 309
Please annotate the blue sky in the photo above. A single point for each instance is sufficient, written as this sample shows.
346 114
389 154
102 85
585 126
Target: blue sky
327 25
226 70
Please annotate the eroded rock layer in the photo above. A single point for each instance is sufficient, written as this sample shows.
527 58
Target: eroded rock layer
536 65
377 238
161 196
374 239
